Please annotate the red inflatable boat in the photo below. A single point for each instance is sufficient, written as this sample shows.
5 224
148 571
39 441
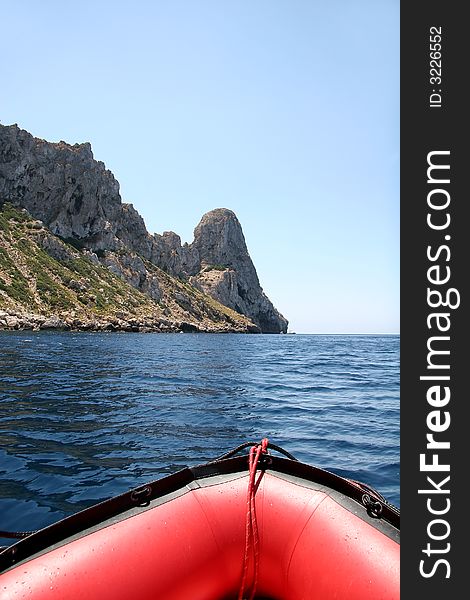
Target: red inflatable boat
240 527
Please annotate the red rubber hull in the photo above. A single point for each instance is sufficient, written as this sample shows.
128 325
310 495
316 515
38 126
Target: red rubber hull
190 545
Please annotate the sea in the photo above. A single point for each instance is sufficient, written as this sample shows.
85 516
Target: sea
86 416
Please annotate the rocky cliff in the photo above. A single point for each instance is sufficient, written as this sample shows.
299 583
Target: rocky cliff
226 271
47 283
78 200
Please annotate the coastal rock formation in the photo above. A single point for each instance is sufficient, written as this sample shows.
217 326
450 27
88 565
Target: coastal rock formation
46 283
63 186
226 271
77 198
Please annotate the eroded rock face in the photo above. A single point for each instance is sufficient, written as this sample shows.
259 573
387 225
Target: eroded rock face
227 272
170 255
62 185
131 268
78 199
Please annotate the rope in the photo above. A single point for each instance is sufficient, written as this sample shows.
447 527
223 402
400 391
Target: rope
248 445
252 533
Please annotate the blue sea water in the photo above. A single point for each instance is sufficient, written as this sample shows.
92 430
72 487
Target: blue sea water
85 416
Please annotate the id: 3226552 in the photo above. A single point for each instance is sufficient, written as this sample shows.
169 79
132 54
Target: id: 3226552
435 66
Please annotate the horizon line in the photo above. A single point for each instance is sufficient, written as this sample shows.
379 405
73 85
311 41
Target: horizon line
340 333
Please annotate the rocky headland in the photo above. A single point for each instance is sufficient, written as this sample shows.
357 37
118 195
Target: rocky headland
74 256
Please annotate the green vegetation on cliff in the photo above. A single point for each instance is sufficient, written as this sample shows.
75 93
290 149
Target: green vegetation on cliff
43 279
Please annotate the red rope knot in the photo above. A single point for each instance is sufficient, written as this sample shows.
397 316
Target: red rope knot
252 534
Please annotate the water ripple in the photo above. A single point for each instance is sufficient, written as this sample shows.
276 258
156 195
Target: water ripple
86 416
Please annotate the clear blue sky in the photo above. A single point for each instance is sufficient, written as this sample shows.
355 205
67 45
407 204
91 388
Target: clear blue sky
285 111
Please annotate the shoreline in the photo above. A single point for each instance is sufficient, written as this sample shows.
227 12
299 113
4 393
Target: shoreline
13 321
